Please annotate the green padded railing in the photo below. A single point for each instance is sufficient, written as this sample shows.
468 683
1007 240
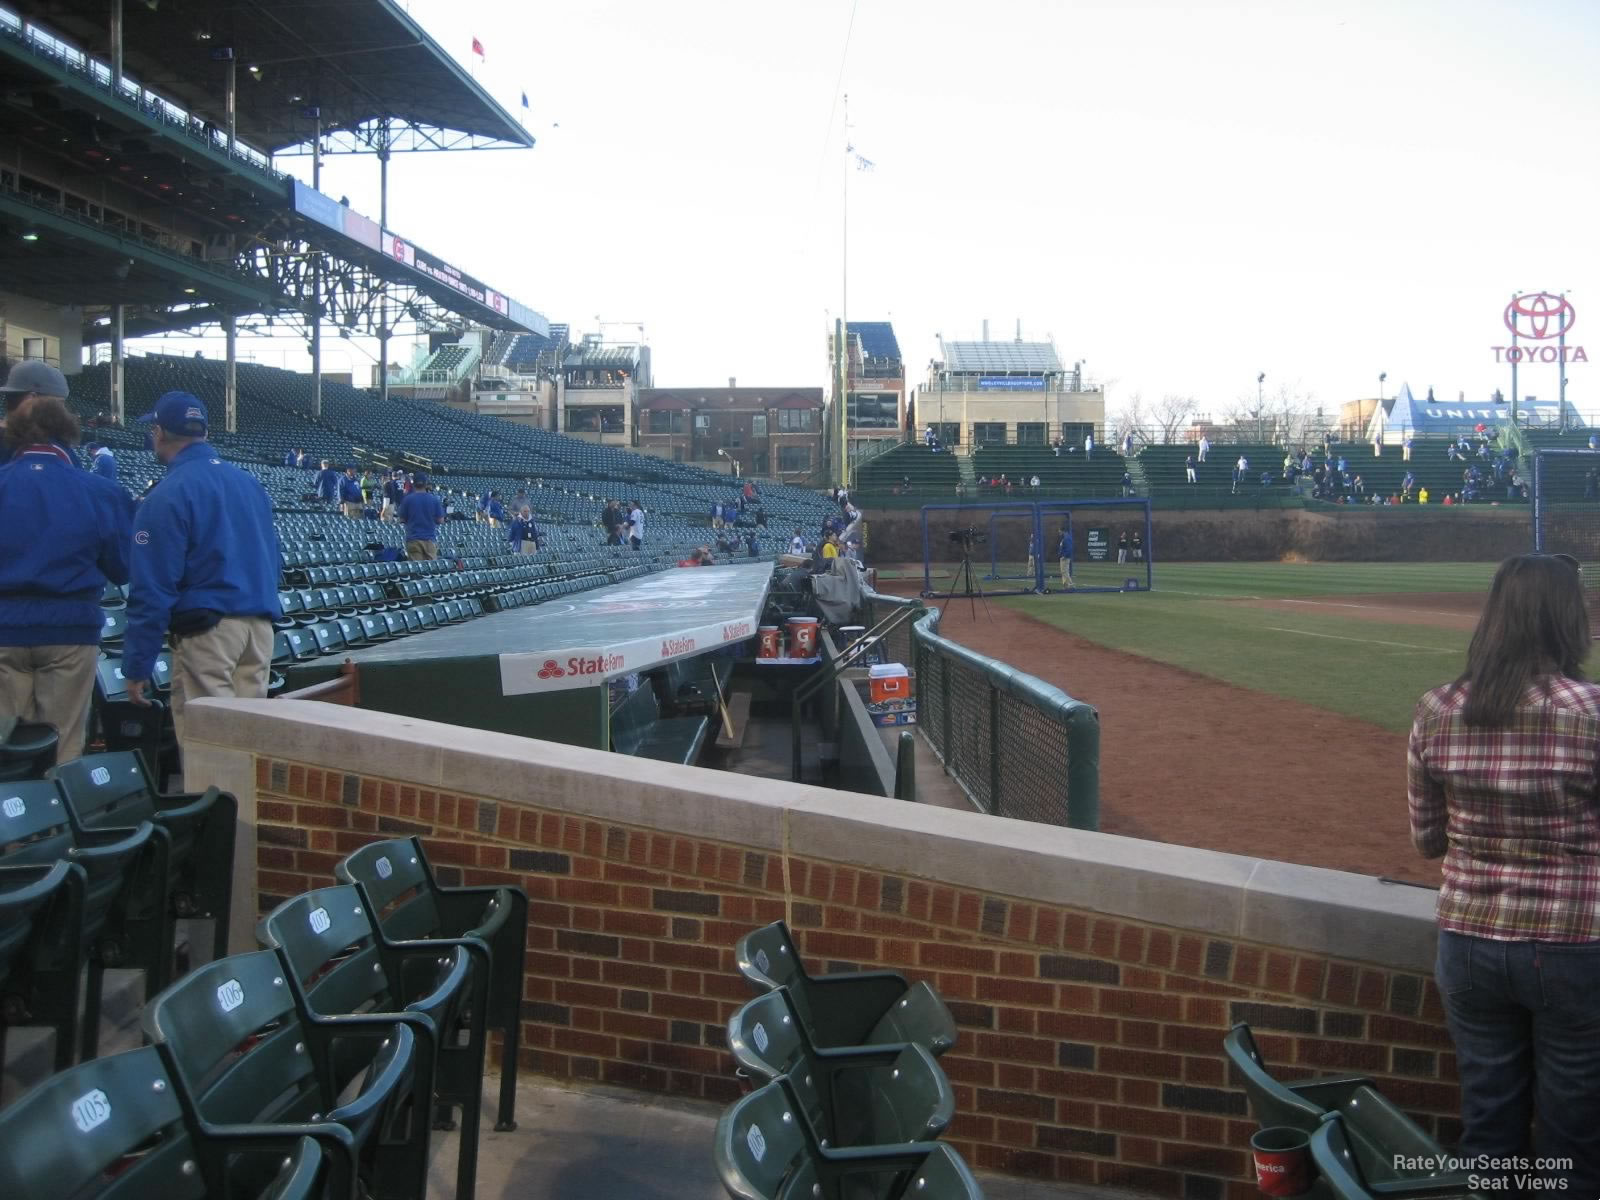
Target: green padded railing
1018 746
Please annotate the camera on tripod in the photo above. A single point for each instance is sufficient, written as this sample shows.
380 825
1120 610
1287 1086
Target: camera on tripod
968 537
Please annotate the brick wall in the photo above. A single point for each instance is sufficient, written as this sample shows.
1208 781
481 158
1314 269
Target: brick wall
1090 1046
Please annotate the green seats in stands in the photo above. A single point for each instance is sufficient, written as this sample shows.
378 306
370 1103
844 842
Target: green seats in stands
339 963
397 882
763 1152
861 1096
41 914
856 1008
195 835
240 1051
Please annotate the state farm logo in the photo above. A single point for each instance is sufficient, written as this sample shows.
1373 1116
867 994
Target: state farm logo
740 629
601 664
671 646
1539 317
551 670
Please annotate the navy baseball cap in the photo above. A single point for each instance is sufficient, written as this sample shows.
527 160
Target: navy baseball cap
31 375
181 414
420 479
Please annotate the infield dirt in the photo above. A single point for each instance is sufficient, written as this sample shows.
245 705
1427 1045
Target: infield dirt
1193 761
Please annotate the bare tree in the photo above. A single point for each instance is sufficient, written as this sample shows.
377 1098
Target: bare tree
1171 415
1129 418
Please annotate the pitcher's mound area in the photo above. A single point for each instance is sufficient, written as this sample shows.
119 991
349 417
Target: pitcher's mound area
1196 762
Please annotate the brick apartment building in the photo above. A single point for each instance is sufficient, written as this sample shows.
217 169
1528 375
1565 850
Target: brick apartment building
768 431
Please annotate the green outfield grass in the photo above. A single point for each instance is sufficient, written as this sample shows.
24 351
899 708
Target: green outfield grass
1343 662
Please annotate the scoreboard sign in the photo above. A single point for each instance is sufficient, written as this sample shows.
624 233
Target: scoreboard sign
1099 545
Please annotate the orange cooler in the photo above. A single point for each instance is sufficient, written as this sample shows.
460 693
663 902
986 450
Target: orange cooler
889 681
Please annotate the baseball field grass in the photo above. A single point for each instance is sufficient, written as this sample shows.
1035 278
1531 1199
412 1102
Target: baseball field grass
1283 629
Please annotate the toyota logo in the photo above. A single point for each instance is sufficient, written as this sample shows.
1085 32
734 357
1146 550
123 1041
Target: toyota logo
1539 315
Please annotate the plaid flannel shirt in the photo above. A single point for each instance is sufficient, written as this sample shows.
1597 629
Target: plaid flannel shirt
1515 811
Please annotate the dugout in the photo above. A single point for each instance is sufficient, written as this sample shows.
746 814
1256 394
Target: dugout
552 670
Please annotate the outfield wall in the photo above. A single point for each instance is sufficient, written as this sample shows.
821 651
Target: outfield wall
1411 534
1093 976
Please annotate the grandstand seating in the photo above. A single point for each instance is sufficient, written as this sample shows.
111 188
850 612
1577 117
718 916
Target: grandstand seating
932 475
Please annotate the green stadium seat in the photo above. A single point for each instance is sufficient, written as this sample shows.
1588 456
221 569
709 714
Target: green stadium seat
762 1152
396 881
339 963
118 867
194 859
1379 1131
862 1096
115 1129
41 912
856 1008
239 1051
27 749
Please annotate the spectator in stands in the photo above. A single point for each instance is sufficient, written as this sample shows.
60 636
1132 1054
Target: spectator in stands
290 459
1127 444
1088 445
1358 486
1188 470
495 511
1591 484
1344 464
1064 553
1266 479
327 485
752 542
636 526
1240 470
1405 448
1034 483
716 514
394 491
204 568
350 494
369 486
1288 466
1408 485
422 513
102 462
1594 441
830 549
797 544
1205 447
1422 495
1501 781
65 534
300 460
1127 483
26 382
523 534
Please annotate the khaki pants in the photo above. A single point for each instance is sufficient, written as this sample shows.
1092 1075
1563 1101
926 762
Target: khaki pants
529 546
1066 573
421 551
233 659
52 685
353 511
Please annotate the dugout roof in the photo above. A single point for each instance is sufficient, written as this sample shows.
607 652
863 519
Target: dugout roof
585 639
358 61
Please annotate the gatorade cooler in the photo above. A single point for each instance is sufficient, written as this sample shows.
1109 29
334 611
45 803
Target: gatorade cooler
888 681
802 637
771 642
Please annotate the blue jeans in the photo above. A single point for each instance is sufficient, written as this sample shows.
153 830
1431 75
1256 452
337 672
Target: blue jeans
1525 1019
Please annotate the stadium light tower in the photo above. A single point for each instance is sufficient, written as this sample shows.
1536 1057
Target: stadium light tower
1261 379
1382 376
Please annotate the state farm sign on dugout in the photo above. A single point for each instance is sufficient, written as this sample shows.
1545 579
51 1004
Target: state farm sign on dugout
673 615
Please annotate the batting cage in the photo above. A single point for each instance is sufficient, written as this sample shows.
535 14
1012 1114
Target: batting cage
1566 513
1009 548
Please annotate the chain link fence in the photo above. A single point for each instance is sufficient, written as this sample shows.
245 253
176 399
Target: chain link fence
1018 746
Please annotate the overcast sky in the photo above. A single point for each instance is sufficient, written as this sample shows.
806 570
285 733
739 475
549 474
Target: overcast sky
1180 192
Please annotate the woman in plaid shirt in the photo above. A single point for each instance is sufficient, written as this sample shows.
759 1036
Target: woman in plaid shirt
1504 782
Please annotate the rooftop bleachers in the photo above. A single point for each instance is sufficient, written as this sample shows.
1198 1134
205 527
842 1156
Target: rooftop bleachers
1068 473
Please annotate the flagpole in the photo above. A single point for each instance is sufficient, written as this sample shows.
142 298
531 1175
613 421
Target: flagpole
844 310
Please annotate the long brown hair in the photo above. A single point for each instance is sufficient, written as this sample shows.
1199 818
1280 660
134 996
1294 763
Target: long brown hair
45 420
1534 623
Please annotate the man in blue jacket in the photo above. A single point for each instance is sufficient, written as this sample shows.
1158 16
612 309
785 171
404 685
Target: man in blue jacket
524 534
103 463
350 494
204 568
65 533
422 514
327 484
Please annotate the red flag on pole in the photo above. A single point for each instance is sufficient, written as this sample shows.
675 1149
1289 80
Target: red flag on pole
477 48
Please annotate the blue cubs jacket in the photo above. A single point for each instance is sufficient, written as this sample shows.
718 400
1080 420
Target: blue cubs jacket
203 541
422 514
64 534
